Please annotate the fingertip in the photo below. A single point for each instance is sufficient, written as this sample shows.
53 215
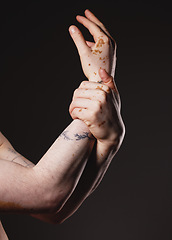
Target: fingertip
103 73
72 29
78 17
86 11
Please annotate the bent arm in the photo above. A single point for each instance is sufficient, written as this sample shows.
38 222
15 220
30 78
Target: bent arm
46 186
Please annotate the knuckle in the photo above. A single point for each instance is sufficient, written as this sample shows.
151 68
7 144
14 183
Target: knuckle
103 96
97 107
70 109
83 84
75 93
83 51
106 39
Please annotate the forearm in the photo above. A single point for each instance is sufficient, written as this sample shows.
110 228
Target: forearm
73 146
90 179
54 177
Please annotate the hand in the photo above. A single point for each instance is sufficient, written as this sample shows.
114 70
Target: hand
95 104
98 54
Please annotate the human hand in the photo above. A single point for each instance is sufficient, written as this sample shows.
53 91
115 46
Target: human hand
98 54
95 104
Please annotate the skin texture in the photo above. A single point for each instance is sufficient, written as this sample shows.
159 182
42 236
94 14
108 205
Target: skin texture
67 174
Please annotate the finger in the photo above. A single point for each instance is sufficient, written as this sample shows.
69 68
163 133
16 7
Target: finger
92 94
86 85
79 103
79 113
107 79
94 19
95 31
78 39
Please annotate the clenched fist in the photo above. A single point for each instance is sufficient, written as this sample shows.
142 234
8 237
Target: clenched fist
95 104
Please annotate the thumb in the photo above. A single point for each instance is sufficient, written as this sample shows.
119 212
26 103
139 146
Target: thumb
107 79
78 39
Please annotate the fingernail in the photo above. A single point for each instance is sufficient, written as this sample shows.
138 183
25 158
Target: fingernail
72 29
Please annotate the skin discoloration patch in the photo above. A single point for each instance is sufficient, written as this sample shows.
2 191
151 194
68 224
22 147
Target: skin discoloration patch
101 58
95 73
100 43
99 87
96 51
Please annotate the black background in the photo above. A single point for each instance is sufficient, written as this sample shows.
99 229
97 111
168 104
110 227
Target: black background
40 69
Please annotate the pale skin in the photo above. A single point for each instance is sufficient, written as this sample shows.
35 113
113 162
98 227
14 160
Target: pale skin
54 188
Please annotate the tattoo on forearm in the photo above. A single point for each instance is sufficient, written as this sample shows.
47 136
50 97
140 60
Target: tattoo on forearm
65 136
82 136
76 137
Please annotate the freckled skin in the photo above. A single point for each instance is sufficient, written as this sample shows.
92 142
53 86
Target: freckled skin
98 87
95 51
100 43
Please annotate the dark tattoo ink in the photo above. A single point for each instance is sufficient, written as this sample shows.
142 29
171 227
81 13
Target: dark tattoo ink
82 136
12 150
65 136
21 159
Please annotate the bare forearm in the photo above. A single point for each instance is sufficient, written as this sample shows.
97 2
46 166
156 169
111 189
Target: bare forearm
55 175
93 173
73 146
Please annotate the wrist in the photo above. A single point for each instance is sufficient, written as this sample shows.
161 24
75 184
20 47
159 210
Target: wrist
114 140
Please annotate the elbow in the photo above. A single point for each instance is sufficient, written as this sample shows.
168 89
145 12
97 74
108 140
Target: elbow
56 213
49 197
54 201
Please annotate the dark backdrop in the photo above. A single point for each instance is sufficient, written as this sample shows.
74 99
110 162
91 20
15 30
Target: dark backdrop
40 69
